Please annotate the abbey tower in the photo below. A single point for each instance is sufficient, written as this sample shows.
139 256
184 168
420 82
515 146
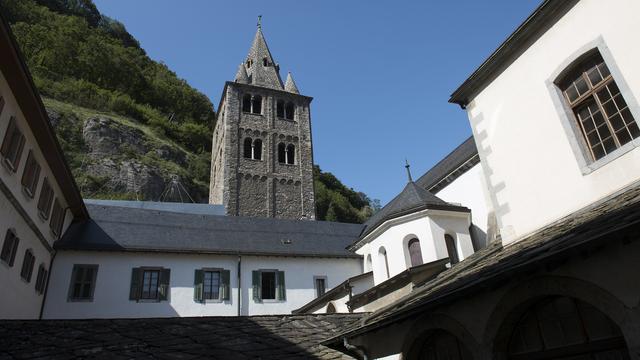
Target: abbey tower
262 156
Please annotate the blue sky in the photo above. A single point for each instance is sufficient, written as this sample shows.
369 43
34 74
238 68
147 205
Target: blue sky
380 72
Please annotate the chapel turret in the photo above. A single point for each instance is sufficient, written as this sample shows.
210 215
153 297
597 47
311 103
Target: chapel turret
262 155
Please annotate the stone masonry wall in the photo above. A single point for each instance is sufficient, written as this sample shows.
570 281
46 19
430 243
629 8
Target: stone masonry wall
263 187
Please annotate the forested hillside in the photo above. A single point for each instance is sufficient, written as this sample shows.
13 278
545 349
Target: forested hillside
130 128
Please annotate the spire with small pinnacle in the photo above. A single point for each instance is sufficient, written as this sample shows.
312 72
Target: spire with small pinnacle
290 85
262 70
407 166
241 75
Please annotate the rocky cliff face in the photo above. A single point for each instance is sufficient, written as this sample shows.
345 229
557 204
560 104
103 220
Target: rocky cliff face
118 159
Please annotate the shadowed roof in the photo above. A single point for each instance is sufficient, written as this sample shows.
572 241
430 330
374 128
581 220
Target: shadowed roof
412 198
114 228
238 338
461 159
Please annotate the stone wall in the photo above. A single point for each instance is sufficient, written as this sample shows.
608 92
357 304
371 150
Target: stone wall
264 187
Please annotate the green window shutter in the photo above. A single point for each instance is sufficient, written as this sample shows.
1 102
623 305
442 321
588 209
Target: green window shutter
198 286
282 289
165 275
134 291
225 288
257 295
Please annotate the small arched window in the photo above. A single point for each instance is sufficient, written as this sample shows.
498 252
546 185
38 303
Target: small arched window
452 249
291 154
331 309
256 104
414 252
265 62
282 153
247 148
289 111
257 149
280 109
383 262
246 103
369 265
602 114
27 265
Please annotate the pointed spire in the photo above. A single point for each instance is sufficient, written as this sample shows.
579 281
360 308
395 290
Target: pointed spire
290 85
407 166
261 67
241 75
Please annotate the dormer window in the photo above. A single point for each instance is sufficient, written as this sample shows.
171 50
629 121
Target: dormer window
249 63
602 114
265 62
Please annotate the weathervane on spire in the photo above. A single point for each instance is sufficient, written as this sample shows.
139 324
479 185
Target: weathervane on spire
259 21
408 170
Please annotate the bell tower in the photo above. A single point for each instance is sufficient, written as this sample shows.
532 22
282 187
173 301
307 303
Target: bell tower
262 154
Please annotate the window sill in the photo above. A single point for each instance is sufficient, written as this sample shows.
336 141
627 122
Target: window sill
250 113
27 192
72 300
290 165
631 145
253 160
42 216
269 301
8 165
287 120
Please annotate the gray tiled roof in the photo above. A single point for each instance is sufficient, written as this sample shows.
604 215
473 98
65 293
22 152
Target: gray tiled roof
238 338
441 174
592 225
412 198
130 229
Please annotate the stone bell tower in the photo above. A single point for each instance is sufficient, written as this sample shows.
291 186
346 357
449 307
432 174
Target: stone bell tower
262 155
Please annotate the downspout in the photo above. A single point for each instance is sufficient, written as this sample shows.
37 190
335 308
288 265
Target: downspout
355 349
53 257
239 284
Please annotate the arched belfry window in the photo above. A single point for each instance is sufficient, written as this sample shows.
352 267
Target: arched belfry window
247 148
246 103
290 111
256 104
252 104
565 328
383 263
291 154
452 249
280 109
282 153
601 112
415 253
257 149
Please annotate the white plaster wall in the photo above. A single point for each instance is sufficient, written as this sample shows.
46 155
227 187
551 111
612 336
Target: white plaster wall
111 296
19 298
469 190
532 171
394 235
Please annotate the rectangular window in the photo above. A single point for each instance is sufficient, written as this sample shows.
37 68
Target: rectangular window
45 200
31 175
9 248
27 266
268 285
57 218
321 286
41 279
12 146
83 282
211 285
149 284
603 115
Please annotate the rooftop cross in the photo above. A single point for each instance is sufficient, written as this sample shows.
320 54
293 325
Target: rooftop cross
408 170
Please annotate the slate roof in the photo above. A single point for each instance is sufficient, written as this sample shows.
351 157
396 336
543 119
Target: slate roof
412 198
238 338
450 167
586 227
114 228
188 208
260 75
